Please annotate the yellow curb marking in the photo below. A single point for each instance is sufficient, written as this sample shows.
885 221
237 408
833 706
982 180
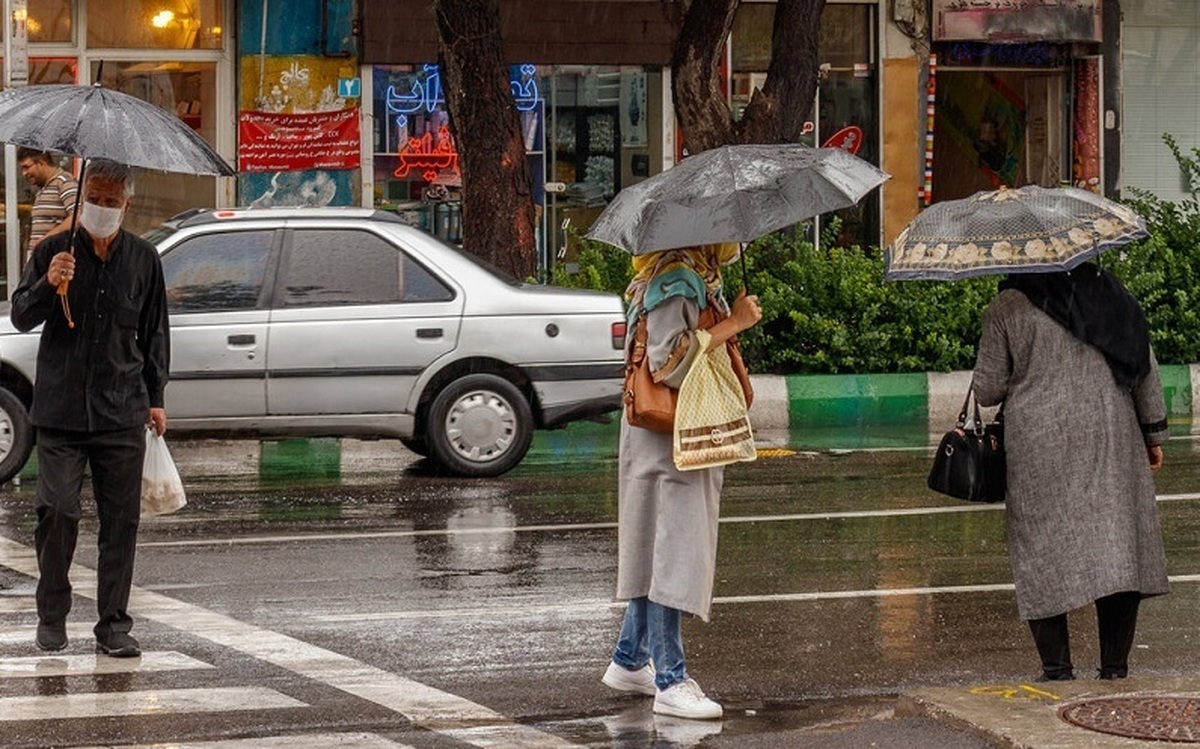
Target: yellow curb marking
775 452
1024 691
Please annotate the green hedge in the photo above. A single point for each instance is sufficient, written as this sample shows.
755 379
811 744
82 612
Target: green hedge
829 311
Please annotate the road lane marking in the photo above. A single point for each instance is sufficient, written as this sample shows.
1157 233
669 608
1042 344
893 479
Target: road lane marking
422 705
150 702
558 528
598 605
88 665
299 741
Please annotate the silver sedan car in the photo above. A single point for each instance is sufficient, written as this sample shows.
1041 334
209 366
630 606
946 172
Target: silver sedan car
347 322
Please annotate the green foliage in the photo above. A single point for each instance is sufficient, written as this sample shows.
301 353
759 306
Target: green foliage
600 266
1163 270
828 310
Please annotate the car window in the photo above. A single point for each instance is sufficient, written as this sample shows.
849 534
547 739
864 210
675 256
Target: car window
214 272
349 266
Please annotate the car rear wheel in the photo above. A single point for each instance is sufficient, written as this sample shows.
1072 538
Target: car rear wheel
479 425
16 435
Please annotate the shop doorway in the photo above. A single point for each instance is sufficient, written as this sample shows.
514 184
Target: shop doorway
1000 127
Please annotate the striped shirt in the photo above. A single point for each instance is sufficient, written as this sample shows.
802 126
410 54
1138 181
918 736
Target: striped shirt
53 203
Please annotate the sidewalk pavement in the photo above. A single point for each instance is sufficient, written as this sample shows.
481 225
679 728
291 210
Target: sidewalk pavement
1027 716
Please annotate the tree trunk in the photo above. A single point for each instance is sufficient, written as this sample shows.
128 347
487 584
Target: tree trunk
777 112
703 113
498 213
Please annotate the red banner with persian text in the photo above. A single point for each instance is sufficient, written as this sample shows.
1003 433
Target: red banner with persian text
271 142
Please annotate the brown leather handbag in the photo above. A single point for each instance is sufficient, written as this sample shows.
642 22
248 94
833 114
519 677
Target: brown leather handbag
650 404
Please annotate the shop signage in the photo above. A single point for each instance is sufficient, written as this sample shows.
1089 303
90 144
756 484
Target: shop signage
849 138
429 157
350 88
1017 20
272 142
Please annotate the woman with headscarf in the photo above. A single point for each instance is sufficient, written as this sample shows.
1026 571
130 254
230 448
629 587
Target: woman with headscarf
667 519
1069 356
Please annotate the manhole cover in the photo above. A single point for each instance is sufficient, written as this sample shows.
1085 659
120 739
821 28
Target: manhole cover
1161 718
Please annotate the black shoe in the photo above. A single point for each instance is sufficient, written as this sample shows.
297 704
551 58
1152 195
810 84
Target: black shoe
1108 674
52 637
1056 676
118 645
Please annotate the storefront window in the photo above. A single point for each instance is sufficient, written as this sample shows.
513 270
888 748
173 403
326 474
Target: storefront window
41 70
845 109
417 172
188 89
49 21
164 24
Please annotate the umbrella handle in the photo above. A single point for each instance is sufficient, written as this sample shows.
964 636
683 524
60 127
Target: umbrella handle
66 306
742 261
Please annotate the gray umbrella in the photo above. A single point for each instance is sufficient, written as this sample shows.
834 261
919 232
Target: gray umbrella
1027 230
94 122
734 194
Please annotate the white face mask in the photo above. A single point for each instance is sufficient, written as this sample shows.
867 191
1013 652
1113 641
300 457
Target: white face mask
99 221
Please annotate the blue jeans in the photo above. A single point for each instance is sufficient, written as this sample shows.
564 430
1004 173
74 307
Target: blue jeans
652 632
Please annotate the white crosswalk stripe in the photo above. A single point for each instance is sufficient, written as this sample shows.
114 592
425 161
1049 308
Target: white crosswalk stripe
23 634
89 665
424 706
151 702
17 604
300 741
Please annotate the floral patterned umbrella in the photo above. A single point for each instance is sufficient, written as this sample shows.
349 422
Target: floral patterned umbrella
1027 230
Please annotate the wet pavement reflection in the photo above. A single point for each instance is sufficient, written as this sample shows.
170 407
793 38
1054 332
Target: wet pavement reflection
840 577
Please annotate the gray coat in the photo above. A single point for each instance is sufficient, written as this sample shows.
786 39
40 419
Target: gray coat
666 519
1081 516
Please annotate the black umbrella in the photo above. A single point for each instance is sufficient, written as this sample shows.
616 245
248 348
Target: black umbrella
93 122
733 194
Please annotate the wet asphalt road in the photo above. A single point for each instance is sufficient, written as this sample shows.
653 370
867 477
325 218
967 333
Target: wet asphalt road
427 611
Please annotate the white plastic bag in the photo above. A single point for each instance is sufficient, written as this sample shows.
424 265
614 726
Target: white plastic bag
162 489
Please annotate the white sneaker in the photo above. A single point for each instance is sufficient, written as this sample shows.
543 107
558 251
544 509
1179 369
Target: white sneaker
623 680
685 699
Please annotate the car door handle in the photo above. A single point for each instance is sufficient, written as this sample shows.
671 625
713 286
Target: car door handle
241 340
429 332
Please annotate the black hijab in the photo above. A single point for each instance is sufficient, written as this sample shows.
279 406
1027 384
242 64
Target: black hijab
1097 308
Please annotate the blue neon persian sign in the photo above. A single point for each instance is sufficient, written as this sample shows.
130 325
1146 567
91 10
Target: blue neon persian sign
426 91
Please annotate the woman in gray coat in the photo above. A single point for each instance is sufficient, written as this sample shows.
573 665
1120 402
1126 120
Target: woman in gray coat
667 519
1069 356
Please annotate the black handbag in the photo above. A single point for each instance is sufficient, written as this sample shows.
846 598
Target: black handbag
970 459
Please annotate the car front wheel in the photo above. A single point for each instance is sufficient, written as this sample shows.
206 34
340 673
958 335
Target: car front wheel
479 425
16 435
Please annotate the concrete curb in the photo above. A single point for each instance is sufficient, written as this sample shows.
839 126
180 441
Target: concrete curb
807 411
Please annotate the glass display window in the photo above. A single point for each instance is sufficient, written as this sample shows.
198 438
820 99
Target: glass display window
50 21
189 89
162 24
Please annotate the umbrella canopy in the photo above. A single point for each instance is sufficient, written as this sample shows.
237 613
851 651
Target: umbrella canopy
1027 230
95 122
734 194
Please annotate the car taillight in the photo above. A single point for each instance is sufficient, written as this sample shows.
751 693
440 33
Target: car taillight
618 335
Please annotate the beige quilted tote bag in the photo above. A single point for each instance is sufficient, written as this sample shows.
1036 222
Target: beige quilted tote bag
712 427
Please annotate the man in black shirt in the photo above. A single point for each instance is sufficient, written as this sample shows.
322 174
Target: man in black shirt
101 372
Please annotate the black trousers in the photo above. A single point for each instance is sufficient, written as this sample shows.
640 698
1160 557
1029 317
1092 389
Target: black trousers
115 458
1116 616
